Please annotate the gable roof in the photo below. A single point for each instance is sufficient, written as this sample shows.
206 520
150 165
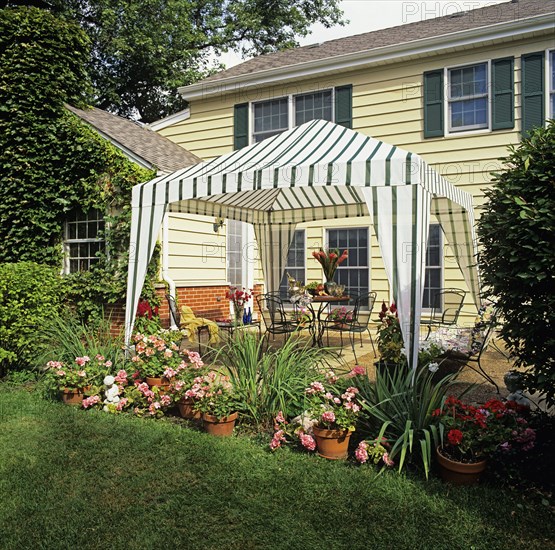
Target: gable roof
518 11
137 142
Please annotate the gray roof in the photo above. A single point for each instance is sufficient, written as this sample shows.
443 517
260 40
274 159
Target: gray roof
482 17
130 136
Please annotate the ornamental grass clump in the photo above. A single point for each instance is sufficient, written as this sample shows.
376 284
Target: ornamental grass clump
474 432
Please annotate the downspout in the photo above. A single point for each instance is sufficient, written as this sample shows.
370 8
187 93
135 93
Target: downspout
166 263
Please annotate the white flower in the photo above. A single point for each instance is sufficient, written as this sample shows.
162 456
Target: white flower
433 367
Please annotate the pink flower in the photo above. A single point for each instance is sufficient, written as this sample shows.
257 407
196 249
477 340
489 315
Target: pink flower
99 357
82 373
54 364
356 371
279 436
280 419
361 453
328 416
331 377
61 372
82 360
307 441
170 373
387 461
315 387
108 364
121 377
121 404
90 401
165 400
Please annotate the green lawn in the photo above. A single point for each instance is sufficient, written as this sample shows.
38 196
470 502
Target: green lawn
77 479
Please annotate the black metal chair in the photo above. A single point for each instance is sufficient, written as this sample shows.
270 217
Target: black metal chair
175 319
273 314
447 304
358 323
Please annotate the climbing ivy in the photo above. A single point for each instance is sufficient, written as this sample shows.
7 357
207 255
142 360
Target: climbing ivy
52 163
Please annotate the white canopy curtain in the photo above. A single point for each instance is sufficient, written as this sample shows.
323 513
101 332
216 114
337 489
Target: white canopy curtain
316 171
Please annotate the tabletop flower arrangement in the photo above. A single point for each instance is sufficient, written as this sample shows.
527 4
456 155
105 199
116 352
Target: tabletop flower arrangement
330 260
472 433
238 298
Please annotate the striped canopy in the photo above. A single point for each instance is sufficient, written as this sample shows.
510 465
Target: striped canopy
316 171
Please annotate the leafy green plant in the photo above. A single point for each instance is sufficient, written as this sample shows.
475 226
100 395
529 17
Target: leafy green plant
517 260
270 381
63 337
215 395
30 294
399 407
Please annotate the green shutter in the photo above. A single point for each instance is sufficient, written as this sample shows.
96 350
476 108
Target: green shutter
503 97
532 91
433 104
241 126
344 105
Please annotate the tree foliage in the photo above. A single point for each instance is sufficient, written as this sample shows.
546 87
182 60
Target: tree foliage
143 50
51 163
517 233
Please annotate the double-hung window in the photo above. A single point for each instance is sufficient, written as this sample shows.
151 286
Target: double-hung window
434 260
272 117
354 272
83 240
295 264
468 98
234 252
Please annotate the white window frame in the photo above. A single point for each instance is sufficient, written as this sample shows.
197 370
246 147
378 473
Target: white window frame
465 130
67 241
441 265
291 98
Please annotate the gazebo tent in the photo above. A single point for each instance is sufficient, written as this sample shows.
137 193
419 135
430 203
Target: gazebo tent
316 171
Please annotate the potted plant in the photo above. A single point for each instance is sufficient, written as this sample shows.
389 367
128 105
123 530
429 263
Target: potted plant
188 373
71 381
157 357
340 316
214 397
473 433
334 416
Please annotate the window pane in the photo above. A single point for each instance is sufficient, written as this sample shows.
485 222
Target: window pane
354 272
270 118
432 280
295 264
313 106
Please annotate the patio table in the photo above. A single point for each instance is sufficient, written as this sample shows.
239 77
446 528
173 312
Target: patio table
325 303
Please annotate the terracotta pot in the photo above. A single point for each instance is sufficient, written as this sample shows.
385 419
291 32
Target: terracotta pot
332 444
73 397
459 473
162 383
222 427
186 410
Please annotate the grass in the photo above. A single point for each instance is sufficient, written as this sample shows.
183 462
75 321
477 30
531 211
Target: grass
77 479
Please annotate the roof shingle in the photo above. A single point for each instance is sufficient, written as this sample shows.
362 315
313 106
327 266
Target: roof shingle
146 144
482 17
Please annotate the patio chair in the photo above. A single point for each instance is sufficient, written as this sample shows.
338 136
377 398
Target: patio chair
357 324
446 308
273 314
198 327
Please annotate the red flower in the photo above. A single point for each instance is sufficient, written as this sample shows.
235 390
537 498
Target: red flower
455 437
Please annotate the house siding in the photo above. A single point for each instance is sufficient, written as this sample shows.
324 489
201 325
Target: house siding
387 105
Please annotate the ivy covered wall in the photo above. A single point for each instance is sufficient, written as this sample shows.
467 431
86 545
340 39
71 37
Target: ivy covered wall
51 163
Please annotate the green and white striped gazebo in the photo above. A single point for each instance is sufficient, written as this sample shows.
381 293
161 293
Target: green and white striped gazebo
316 171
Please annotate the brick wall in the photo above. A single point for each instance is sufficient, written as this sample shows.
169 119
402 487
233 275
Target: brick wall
207 301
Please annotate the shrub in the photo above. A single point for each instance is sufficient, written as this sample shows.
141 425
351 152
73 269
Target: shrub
29 295
517 234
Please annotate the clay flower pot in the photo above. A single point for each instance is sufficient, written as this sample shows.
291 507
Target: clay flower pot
186 410
332 444
459 473
73 397
162 383
221 427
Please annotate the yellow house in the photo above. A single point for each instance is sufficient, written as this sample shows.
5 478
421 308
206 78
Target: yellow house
457 90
